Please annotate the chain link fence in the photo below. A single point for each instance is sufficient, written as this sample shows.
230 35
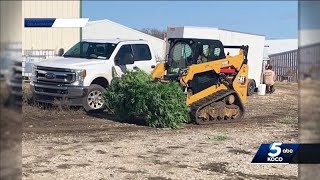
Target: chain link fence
32 56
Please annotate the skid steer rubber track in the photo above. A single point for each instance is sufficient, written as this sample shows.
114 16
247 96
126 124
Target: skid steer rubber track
214 107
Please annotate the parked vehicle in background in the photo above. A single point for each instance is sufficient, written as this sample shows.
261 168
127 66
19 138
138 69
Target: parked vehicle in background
80 76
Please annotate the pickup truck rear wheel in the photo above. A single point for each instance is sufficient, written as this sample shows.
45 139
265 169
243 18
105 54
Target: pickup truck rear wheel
94 100
251 87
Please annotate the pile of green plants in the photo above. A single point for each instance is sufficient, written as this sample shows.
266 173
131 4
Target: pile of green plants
136 96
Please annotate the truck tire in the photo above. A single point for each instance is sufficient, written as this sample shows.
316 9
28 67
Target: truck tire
251 87
94 101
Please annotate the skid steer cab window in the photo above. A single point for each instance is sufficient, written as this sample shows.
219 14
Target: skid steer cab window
209 51
91 50
180 55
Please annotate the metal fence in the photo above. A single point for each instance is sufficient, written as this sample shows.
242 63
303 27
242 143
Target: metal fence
31 56
285 65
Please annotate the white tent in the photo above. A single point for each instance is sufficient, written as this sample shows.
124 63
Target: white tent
106 29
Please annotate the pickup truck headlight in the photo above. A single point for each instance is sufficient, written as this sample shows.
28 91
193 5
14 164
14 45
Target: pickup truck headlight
80 75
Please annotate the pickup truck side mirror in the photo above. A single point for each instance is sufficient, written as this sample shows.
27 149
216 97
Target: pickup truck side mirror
60 52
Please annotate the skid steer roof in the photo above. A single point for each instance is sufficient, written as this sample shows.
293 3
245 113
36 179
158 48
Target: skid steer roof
198 45
196 40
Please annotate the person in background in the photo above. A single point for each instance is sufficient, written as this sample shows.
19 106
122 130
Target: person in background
269 77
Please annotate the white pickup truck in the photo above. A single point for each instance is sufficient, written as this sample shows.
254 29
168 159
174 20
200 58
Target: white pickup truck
80 76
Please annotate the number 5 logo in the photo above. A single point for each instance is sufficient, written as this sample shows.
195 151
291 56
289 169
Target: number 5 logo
275 149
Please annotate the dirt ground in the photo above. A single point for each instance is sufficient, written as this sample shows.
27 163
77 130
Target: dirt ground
309 124
10 157
10 138
73 145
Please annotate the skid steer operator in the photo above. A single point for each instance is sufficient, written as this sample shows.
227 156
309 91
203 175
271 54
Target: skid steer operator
201 57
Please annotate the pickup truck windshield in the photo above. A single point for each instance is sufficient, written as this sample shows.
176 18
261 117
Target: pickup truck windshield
91 50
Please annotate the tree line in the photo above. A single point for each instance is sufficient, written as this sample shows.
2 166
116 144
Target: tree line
161 34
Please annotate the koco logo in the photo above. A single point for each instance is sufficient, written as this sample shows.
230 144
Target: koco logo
275 150
287 151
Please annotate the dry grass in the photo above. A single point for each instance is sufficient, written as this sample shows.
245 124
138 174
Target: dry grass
309 109
218 137
289 120
4 93
27 94
58 107
309 122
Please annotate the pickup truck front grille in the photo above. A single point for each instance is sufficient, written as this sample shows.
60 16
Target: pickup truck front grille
54 76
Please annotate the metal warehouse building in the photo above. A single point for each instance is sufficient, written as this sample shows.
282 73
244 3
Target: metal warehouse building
296 63
282 55
42 43
50 38
285 65
106 29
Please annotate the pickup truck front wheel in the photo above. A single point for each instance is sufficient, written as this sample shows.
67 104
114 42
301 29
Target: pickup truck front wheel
94 101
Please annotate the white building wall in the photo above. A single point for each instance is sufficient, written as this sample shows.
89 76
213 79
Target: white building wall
275 46
50 38
105 29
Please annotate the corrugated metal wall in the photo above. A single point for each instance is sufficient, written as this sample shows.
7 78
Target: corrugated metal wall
309 58
50 38
285 65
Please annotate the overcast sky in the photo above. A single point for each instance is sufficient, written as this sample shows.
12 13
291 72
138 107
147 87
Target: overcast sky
275 19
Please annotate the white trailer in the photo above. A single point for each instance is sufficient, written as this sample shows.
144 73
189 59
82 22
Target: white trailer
255 42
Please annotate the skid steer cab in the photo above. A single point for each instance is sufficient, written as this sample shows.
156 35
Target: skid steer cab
216 83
